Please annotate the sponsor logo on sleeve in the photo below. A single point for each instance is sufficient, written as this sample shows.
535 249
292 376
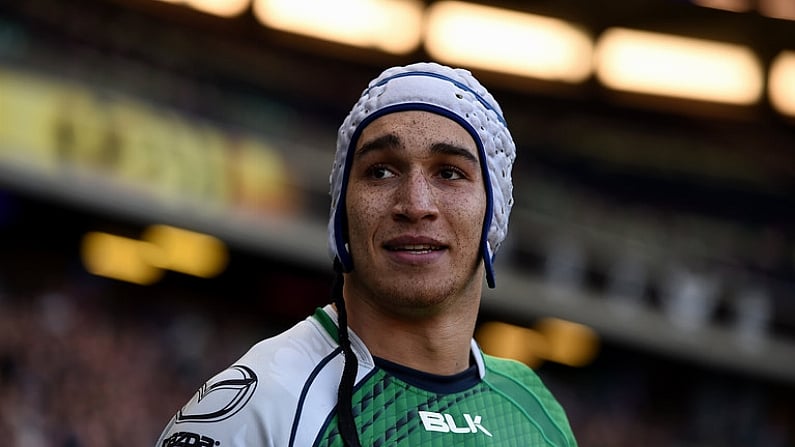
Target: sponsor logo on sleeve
221 397
187 439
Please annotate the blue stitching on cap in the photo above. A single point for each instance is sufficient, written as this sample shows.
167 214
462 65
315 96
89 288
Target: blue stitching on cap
458 84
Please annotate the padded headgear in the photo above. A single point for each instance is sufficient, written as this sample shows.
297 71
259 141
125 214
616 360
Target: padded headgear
449 92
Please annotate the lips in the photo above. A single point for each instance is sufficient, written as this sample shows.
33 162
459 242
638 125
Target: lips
414 245
419 249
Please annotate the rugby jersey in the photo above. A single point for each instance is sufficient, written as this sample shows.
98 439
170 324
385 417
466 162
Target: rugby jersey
283 392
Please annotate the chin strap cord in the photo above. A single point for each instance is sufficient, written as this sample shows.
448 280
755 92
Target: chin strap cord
345 418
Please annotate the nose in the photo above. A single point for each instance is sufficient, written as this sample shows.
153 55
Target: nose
415 199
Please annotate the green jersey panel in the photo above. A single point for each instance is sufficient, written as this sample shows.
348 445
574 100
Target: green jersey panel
509 407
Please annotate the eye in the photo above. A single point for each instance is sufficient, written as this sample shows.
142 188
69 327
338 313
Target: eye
380 172
451 173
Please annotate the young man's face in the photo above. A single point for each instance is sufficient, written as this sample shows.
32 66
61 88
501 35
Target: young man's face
415 204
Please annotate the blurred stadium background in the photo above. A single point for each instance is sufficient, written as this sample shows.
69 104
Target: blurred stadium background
163 198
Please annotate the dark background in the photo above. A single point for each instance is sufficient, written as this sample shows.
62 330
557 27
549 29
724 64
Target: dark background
601 179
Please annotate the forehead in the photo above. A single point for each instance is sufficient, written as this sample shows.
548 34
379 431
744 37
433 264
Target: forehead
418 128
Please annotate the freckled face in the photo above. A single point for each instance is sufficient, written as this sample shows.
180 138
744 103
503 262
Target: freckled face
415 205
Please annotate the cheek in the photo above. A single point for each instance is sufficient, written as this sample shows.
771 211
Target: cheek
361 212
475 202
469 213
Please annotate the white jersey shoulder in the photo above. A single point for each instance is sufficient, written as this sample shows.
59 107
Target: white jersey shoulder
280 393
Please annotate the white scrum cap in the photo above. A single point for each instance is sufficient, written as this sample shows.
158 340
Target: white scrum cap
452 93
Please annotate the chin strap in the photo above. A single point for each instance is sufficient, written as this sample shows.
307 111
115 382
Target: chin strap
345 419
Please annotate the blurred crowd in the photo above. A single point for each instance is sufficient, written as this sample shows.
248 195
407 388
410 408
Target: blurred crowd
629 400
91 367
78 371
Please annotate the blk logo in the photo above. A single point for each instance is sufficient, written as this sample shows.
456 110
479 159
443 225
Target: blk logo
445 423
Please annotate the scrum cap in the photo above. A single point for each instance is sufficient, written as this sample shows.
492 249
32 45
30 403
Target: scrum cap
452 93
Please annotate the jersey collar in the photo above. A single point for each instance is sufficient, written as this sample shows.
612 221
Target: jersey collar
327 317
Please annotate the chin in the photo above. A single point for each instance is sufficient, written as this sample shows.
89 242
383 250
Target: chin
409 288
417 293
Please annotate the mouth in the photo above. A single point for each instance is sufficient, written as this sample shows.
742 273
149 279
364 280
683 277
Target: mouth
417 249
414 245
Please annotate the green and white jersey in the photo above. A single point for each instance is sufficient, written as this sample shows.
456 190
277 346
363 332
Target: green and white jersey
283 392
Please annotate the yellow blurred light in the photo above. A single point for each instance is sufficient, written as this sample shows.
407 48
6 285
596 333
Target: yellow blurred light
680 67
512 342
507 41
552 339
393 26
221 8
186 251
120 258
781 83
569 343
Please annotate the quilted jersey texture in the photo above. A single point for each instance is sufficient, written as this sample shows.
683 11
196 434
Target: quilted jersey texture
283 392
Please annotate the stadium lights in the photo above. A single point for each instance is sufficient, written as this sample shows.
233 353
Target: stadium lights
726 5
120 258
660 64
161 248
781 83
777 9
186 251
513 342
552 339
507 41
393 26
570 343
221 8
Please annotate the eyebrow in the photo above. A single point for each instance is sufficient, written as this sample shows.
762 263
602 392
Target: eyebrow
391 141
451 149
386 141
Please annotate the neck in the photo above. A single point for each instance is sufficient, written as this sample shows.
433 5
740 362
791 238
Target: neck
436 343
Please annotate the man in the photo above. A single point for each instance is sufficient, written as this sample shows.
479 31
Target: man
421 193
